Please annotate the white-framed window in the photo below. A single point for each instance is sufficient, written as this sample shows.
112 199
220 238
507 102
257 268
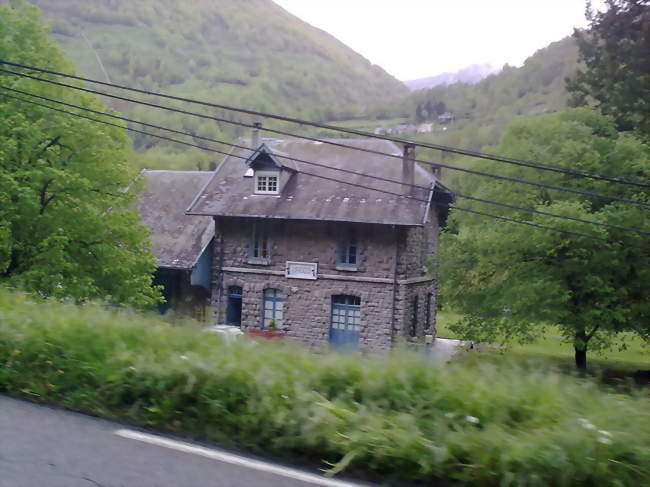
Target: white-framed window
347 255
273 309
267 183
259 251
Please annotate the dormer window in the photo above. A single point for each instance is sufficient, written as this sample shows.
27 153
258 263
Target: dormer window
266 183
270 175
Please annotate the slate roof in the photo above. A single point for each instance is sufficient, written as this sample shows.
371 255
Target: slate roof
178 239
315 196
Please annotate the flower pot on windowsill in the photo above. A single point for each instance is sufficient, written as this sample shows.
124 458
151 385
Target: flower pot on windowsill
267 334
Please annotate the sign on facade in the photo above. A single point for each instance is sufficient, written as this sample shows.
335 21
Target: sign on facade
302 270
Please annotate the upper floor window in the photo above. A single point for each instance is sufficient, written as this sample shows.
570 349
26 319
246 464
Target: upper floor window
348 253
266 183
260 248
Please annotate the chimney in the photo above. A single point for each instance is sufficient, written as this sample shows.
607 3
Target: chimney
255 139
408 169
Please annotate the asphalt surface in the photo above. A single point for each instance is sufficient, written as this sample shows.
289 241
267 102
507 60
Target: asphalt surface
47 447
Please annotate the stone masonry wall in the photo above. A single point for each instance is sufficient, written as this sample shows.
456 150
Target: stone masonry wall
307 305
310 242
425 323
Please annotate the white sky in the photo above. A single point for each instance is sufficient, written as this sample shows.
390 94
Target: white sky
418 38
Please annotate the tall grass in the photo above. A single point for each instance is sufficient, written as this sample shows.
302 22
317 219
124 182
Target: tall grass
397 416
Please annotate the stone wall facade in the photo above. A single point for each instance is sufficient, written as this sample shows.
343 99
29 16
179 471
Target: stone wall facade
391 271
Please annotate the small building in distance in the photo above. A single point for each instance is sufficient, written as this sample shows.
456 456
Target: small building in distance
446 118
326 244
182 244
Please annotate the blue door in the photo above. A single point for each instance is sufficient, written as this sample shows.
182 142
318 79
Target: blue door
233 312
346 322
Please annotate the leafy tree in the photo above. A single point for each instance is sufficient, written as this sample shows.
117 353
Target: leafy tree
616 54
512 280
66 229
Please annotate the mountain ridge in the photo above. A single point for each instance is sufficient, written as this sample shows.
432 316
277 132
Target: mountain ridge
251 54
471 74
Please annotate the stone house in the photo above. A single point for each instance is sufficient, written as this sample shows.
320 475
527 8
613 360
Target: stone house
327 257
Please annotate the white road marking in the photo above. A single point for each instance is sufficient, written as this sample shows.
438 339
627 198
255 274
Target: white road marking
233 459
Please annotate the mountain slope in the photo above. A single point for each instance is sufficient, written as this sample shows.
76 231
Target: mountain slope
470 74
483 110
252 54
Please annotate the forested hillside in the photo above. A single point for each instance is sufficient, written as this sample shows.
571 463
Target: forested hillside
481 111
252 54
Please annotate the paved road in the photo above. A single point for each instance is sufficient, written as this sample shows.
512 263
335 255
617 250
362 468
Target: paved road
46 447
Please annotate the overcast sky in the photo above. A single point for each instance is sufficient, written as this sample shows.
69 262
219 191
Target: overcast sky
418 38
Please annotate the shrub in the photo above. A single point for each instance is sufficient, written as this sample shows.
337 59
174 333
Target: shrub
396 415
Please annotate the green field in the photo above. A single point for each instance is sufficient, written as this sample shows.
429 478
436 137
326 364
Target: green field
394 418
635 356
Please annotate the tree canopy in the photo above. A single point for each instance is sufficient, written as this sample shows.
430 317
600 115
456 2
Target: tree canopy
66 227
513 280
616 55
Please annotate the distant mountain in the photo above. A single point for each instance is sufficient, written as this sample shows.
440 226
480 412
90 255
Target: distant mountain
474 116
470 74
248 53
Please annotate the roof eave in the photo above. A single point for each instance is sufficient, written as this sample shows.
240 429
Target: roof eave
341 220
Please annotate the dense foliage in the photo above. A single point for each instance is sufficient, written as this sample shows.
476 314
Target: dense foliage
511 279
251 54
398 416
616 55
65 224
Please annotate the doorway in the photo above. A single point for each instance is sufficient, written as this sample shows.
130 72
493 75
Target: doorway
346 322
233 310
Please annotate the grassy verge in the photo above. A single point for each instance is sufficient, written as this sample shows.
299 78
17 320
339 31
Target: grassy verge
396 416
553 348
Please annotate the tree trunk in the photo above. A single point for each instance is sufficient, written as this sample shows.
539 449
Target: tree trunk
581 359
580 347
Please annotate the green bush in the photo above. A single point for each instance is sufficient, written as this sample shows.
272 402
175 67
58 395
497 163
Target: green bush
395 415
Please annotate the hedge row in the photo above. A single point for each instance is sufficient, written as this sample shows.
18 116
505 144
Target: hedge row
397 416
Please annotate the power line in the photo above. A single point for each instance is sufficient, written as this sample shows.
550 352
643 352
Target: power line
530 224
331 142
465 152
210 149
347 171
210 139
307 173
546 213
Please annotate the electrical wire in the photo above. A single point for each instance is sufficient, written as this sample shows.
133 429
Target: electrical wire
309 174
443 148
207 139
530 224
331 142
209 149
347 171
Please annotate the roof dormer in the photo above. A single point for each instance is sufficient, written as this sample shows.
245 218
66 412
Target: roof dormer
268 173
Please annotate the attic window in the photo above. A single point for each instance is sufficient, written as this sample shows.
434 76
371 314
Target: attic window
266 184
